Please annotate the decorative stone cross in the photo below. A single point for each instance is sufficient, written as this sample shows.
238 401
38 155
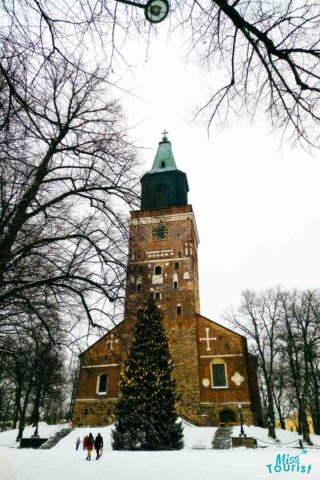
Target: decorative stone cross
111 341
237 379
165 133
207 339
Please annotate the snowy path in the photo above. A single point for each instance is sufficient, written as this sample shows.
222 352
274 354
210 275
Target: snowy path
64 463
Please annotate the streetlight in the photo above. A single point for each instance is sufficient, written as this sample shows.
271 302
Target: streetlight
242 434
36 433
154 10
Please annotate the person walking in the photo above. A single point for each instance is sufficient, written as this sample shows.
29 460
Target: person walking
85 442
78 443
90 446
98 445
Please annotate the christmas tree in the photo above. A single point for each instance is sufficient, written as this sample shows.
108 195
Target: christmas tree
146 415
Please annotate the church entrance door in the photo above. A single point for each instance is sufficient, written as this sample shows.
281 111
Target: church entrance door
227 417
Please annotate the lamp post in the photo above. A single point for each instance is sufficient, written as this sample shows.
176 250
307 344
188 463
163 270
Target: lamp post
155 11
242 434
36 433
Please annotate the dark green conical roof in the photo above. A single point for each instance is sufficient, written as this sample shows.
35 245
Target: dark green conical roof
164 186
164 159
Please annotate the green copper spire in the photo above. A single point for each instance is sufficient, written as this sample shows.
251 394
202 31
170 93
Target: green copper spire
164 159
164 186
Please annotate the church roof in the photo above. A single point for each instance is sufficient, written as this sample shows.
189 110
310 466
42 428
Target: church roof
221 326
164 159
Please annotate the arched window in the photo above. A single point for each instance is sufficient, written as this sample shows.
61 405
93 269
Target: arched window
102 384
163 164
219 373
175 285
176 266
178 309
158 270
139 284
157 295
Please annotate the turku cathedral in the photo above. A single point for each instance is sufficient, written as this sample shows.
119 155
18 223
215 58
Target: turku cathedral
215 373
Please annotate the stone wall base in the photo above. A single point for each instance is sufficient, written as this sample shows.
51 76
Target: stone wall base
101 412
96 413
211 415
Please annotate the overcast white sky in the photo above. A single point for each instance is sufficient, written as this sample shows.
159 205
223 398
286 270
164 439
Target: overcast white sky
256 201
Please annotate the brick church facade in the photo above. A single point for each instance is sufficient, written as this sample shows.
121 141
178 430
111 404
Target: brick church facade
214 371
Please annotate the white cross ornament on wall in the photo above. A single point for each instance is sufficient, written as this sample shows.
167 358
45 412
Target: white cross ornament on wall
111 341
237 379
207 339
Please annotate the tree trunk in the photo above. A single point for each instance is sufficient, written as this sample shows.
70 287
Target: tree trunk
315 399
17 407
22 412
36 407
305 426
271 415
282 421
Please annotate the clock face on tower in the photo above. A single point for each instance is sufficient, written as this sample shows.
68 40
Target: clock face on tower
160 232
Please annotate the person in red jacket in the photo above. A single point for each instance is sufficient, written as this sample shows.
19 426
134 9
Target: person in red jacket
90 446
85 442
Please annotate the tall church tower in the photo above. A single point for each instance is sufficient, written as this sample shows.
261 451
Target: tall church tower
214 371
163 262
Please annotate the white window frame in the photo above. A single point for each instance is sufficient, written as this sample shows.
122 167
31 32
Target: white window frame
219 361
98 384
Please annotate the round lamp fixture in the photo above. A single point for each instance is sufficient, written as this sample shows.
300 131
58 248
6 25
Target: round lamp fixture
156 10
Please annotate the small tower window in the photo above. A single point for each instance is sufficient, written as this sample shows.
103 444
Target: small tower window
158 270
176 266
178 309
175 281
227 347
139 287
163 164
157 295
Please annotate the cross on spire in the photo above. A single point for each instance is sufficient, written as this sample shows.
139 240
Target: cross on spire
164 133
207 339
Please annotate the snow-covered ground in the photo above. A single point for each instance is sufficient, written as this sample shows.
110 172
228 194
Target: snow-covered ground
197 461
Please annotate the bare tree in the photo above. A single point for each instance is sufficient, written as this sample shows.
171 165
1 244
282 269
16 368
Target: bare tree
283 331
299 347
281 395
269 54
268 51
257 319
67 170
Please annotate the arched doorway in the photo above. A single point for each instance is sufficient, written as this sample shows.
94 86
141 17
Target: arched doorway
227 417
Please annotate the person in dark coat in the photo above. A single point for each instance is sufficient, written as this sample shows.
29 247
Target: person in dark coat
98 445
90 446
